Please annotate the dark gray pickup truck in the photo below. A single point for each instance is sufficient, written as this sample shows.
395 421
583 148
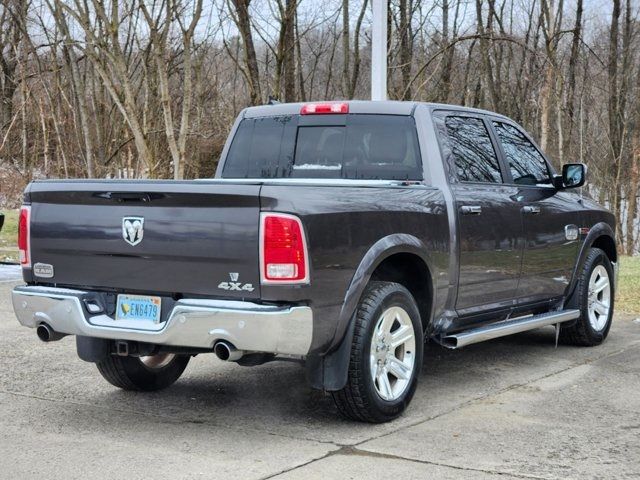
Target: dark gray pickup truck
345 235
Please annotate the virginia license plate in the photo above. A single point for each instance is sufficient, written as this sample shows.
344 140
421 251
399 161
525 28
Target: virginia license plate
138 307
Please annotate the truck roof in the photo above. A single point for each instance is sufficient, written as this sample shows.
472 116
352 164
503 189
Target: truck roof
387 107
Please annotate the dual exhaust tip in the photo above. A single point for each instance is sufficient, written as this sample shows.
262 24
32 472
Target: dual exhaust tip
224 350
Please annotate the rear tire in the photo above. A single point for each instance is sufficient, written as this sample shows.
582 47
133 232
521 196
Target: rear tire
386 355
143 373
594 297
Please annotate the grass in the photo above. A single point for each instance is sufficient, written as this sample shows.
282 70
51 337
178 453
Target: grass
9 237
627 297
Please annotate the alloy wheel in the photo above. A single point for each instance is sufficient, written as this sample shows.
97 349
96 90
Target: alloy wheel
392 358
599 298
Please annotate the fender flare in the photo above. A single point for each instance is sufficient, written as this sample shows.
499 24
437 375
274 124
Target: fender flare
333 367
599 230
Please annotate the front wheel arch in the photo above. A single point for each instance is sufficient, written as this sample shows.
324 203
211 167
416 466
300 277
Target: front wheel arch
600 236
583 332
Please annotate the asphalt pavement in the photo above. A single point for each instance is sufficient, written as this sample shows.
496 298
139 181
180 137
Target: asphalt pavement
510 408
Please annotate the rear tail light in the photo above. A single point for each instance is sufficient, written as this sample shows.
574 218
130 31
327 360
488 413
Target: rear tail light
283 250
324 108
24 236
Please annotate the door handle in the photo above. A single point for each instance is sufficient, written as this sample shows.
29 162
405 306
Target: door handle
471 209
531 210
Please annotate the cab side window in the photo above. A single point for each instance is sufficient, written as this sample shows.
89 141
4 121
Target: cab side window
526 163
470 153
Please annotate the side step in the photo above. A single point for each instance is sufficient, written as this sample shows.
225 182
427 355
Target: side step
507 327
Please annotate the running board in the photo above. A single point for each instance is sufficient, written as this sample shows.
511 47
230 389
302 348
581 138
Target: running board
508 327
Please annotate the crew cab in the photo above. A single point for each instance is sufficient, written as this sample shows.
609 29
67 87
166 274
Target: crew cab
346 235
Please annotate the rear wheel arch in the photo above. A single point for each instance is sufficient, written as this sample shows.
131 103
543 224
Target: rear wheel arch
410 271
382 262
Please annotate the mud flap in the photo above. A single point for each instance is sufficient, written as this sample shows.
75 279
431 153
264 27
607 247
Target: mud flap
92 349
329 373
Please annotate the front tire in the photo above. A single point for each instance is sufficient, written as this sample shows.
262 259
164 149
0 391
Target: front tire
594 297
149 373
386 355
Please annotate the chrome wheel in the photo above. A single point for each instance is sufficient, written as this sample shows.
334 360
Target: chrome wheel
599 298
157 361
392 357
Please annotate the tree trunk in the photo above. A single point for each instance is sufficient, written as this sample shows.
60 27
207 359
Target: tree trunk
571 83
355 72
405 49
613 109
243 22
449 53
484 51
79 88
612 72
547 102
346 48
9 41
632 198
288 24
301 87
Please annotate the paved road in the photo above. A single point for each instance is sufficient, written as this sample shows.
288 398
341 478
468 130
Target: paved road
10 273
510 408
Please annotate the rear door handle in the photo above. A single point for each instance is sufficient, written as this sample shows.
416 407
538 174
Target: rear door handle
471 209
531 210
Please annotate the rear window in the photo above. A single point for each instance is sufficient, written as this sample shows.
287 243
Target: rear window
367 147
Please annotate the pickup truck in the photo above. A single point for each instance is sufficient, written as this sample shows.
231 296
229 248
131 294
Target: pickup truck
344 235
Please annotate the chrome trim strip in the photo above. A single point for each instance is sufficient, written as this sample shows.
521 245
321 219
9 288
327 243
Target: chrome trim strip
509 327
197 323
326 182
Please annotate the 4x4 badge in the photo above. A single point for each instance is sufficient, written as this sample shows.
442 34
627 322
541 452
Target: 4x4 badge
132 230
235 285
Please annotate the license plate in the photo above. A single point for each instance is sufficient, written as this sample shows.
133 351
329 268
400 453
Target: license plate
138 307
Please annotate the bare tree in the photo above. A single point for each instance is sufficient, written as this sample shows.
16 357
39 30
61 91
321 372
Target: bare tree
12 19
240 15
123 88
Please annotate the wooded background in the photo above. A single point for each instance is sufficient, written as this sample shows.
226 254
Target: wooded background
150 88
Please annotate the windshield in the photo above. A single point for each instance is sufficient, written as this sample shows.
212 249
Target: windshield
366 147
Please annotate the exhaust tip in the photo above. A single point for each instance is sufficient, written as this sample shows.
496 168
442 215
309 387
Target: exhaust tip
44 332
227 352
222 350
48 334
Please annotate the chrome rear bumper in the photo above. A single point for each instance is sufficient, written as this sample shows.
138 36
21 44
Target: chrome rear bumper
191 323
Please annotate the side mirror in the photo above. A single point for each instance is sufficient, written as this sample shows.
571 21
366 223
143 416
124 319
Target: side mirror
573 176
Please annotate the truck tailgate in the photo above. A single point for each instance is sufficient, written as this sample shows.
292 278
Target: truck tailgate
195 237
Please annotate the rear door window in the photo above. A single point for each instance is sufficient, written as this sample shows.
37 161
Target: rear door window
367 147
469 151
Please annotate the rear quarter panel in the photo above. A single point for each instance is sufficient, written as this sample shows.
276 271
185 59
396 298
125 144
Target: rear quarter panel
342 223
